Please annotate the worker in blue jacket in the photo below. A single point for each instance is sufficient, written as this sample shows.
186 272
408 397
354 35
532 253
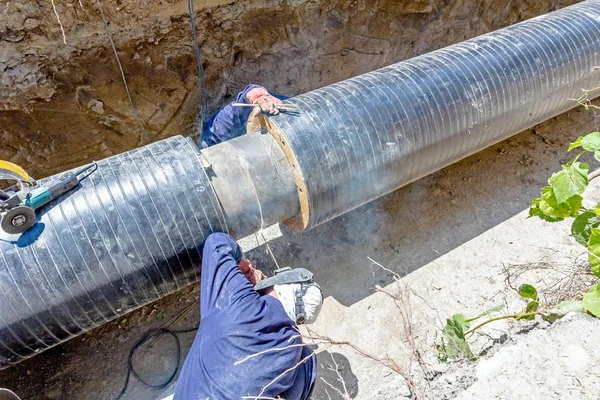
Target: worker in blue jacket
248 344
230 122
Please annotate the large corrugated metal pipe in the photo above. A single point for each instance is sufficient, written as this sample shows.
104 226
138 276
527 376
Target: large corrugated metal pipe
133 231
362 138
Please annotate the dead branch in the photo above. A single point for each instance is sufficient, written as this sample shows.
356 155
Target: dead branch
59 23
402 302
305 359
344 394
567 280
585 100
272 350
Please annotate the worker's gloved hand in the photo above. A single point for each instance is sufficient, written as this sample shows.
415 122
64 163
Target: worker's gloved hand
268 104
248 268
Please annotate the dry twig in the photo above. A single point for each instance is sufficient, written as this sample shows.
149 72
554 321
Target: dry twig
59 23
401 300
566 281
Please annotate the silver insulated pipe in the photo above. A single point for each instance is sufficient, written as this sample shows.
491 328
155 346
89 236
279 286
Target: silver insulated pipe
362 138
133 231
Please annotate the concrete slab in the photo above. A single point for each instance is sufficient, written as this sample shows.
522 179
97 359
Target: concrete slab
561 362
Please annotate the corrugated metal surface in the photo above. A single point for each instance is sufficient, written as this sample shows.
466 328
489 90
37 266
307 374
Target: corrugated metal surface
362 138
132 233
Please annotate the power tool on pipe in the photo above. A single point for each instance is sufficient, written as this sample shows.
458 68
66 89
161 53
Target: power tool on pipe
19 201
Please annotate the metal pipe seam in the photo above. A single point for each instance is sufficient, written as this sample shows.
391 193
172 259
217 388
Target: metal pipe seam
132 233
253 181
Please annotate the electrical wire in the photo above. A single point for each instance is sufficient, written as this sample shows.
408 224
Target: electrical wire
270 251
131 371
112 43
201 75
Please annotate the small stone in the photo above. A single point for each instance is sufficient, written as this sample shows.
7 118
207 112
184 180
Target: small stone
96 106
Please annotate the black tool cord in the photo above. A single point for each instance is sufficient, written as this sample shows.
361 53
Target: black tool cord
147 336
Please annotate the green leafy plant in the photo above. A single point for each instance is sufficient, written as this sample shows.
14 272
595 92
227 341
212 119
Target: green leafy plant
454 345
562 199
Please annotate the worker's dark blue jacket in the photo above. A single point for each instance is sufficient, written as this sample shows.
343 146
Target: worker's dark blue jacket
230 122
237 323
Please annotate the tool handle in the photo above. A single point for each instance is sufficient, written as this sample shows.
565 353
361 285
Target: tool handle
284 106
63 184
245 105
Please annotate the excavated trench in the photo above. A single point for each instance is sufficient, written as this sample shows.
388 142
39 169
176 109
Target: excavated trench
63 105
50 88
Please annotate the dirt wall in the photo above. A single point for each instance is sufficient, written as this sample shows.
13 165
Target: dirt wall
65 104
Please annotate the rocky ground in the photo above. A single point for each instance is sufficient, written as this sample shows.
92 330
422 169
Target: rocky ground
459 238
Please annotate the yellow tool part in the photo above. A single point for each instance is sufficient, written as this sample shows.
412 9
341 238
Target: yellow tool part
9 170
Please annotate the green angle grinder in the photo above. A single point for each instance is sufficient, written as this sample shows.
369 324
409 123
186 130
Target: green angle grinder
19 201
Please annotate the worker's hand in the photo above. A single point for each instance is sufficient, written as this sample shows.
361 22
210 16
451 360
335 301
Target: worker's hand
267 103
248 268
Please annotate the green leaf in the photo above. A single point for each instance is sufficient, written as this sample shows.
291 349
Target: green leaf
597 155
494 309
459 325
555 210
570 181
583 225
591 300
551 317
591 141
575 144
565 307
454 344
527 291
536 211
548 209
593 247
531 307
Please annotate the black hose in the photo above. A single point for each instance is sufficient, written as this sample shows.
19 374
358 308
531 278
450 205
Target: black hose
144 339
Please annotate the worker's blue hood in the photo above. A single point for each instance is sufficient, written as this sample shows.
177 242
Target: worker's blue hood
232 355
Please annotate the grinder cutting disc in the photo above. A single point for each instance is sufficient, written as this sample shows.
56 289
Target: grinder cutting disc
18 220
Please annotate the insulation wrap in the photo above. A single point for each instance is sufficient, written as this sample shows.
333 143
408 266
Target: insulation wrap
132 232
359 139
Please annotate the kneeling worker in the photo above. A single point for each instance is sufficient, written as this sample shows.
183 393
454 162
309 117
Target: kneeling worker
235 354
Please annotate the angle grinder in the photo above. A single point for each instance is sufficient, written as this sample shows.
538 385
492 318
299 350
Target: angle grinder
19 202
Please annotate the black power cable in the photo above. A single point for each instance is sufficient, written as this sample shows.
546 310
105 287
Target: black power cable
147 336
